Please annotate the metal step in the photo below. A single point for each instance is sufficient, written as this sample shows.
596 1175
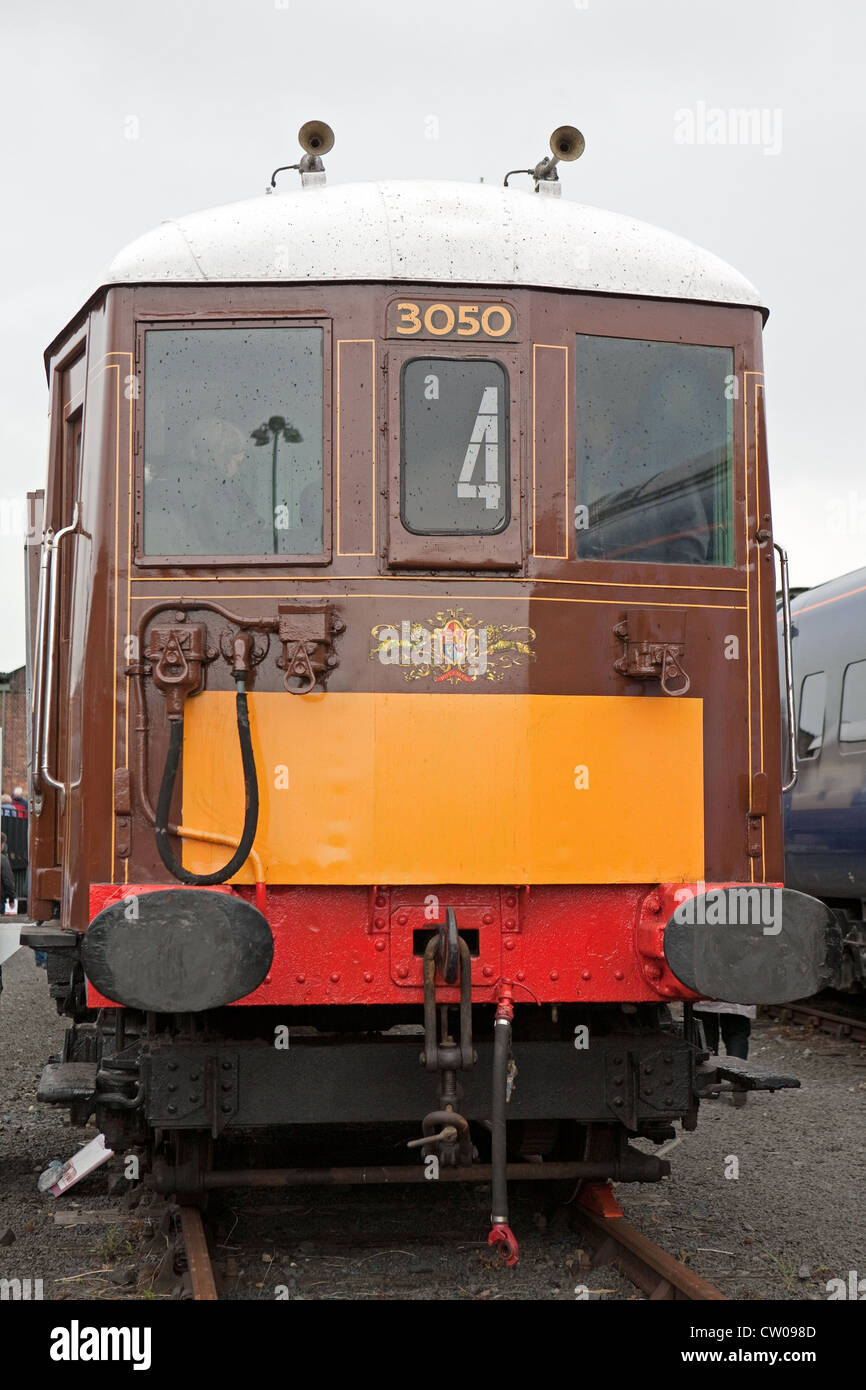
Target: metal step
742 1075
44 936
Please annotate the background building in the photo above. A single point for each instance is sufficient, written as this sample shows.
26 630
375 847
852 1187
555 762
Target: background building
13 730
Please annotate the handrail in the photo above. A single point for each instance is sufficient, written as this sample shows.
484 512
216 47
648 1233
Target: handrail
49 662
38 669
789 668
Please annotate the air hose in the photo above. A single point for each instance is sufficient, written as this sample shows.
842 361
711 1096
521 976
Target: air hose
251 794
501 1234
501 1051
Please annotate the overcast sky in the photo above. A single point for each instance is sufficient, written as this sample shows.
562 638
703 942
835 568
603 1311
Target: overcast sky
214 93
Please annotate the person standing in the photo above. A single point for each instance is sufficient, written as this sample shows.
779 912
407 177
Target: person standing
6 877
16 824
733 1021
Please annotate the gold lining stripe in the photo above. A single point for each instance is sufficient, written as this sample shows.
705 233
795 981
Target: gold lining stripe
750 402
748 596
552 347
431 579
759 387
484 598
373 498
102 366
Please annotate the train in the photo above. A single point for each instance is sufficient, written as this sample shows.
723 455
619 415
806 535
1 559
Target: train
405 738
825 811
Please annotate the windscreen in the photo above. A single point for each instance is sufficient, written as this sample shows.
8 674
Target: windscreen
655 452
233 442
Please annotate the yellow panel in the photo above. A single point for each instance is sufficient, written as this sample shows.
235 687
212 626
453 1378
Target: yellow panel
446 788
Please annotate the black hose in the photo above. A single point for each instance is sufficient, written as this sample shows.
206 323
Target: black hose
498 1157
251 792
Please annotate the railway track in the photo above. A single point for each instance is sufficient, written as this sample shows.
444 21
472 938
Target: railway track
848 1026
647 1265
612 1239
198 1260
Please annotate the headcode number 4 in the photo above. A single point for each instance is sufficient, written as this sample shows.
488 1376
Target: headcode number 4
485 431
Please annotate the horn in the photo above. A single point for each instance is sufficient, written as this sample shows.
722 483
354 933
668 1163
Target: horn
567 143
315 137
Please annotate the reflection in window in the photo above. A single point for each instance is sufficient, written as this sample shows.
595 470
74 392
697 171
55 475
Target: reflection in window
454 463
233 442
810 729
853 726
655 451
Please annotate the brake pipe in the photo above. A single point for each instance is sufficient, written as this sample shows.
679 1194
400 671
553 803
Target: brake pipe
501 1234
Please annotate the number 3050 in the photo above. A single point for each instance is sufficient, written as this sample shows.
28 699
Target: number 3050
453 320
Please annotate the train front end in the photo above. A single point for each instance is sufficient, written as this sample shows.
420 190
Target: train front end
415 642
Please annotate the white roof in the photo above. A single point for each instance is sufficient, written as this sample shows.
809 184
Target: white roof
429 232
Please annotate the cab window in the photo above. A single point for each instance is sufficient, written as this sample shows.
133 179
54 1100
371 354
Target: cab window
454 452
810 727
853 725
233 442
655 452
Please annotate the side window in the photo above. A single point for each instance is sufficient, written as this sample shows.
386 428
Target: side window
71 488
654 452
853 726
233 451
810 728
454 447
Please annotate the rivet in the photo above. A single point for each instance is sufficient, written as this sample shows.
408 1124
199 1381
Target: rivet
172 1087
267 979
509 924
617 1081
648 1069
226 1107
554 974
586 975
193 1076
403 971
487 918
194 1098
227 1085
335 979
488 971
510 900
368 976
172 1110
521 974
381 900
227 1066
300 979
654 903
172 1066
379 923
648 1090
618 975
617 1100
509 943
668 1060
402 919
380 944
617 1061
